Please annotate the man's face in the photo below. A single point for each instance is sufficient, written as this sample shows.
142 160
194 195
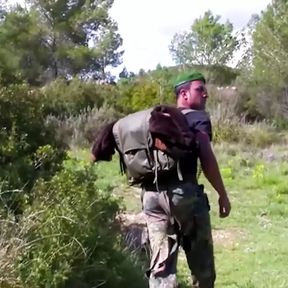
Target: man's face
196 96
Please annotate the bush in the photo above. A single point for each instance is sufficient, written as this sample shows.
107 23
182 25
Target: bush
62 97
74 239
28 148
228 126
80 130
260 134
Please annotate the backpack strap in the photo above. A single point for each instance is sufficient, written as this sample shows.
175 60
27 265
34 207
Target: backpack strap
187 110
156 161
179 173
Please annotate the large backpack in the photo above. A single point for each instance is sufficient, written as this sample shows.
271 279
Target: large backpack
139 157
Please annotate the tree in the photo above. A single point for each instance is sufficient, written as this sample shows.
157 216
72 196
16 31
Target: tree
245 60
270 45
207 43
124 74
60 38
22 53
270 60
81 36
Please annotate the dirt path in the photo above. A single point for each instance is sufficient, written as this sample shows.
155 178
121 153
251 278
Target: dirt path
135 233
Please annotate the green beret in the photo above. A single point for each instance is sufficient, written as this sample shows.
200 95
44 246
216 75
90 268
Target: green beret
188 77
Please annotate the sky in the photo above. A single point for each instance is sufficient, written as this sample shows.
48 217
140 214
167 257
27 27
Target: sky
148 26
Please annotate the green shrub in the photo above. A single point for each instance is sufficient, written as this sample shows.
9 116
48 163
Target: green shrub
28 149
74 238
260 134
228 127
227 131
222 106
282 189
62 97
81 129
143 92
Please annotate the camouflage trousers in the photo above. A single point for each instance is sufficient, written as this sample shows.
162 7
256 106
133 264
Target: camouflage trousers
178 215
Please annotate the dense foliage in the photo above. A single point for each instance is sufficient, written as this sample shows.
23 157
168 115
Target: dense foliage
52 55
29 149
66 246
60 38
263 81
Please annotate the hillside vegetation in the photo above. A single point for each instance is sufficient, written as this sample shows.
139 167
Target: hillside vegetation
59 214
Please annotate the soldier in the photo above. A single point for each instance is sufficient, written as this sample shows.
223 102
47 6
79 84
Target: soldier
177 212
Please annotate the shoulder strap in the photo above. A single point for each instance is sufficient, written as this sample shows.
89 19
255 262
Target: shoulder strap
187 110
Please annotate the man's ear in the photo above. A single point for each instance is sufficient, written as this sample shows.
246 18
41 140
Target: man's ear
184 94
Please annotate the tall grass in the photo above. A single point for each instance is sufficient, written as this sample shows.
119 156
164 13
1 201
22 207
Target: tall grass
68 236
81 129
11 245
230 127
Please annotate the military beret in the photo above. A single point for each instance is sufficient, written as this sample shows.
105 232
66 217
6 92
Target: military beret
188 77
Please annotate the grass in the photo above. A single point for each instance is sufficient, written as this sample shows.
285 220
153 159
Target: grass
251 249
257 185
46 248
109 175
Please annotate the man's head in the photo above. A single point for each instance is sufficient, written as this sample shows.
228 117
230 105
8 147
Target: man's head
190 90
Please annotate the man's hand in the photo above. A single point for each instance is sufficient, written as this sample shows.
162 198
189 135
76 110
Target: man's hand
224 206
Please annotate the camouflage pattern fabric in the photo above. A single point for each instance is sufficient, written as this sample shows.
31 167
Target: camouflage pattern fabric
179 215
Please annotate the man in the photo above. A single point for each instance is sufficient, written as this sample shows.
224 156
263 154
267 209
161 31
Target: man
177 212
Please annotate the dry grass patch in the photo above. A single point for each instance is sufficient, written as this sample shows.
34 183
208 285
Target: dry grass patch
228 238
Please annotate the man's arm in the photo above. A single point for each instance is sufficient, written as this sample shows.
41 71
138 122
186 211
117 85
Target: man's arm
212 173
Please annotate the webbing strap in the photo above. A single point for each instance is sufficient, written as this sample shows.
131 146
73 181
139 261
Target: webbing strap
179 173
156 169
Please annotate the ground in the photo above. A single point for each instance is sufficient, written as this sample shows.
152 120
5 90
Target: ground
251 248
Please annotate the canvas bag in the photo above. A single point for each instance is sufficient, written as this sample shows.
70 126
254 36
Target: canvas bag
140 160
